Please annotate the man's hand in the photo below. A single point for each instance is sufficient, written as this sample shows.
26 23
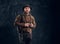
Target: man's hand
31 25
27 24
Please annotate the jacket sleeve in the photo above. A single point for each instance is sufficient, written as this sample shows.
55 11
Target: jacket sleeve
33 22
17 19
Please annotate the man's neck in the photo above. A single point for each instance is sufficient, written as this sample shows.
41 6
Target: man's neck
27 13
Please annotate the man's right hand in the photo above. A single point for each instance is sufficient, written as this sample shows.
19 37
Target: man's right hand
27 24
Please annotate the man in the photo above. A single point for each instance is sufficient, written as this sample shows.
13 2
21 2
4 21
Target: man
25 23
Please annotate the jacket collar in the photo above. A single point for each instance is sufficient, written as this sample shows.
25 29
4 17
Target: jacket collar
26 14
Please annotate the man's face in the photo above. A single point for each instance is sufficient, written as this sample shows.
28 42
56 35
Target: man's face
27 9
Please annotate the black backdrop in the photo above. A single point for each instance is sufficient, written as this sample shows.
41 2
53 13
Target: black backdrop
41 10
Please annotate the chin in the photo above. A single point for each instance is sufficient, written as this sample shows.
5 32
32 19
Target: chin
27 12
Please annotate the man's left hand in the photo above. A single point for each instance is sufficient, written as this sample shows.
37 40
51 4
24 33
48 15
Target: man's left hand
31 25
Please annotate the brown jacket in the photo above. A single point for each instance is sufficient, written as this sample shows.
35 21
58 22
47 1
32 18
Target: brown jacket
22 19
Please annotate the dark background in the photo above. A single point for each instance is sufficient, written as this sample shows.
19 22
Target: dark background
42 10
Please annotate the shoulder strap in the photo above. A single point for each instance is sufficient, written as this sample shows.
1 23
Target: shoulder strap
21 18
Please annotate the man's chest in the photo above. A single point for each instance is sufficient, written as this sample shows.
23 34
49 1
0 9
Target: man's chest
26 18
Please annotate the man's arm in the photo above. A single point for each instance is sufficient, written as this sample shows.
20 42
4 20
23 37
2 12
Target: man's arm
17 21
33 24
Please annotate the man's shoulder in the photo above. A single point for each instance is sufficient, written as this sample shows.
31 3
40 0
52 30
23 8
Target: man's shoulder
32 16
19 15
